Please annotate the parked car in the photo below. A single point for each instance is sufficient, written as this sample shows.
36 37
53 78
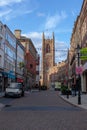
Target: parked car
14 90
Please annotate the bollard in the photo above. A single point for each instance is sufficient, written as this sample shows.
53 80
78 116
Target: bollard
67 93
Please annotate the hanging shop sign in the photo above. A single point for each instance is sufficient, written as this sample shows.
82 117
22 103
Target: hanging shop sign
83 54
79 70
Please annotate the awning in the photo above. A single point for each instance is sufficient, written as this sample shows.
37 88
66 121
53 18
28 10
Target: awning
9 74
5 74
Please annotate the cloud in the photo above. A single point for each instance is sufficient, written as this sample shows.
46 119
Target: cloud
5 13
18 12
60 55
8 2
63 30
36 38
61 45
61 50
74 12
10 9
28 12
39 14
34 35
53 21
8 14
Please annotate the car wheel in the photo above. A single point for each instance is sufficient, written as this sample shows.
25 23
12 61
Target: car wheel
22 94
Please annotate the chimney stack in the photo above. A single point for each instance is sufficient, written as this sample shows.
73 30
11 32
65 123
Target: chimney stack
17 33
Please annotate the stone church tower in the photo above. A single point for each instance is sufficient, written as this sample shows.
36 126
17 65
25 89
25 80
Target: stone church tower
48 58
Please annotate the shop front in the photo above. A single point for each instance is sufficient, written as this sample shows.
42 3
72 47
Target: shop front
84 78
20 79
1 82
8 77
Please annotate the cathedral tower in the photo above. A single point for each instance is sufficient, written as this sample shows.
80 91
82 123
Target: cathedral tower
48 58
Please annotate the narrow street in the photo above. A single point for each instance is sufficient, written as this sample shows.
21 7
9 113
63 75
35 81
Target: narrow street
43 110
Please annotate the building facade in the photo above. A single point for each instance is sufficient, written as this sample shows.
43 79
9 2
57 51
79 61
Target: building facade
38 70
2 49
83 31
9 57
20 63
30 58
48 58
79 37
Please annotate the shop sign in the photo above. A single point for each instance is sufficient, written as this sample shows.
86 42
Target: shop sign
19 80
83 54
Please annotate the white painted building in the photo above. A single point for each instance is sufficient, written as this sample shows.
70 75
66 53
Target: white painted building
2 43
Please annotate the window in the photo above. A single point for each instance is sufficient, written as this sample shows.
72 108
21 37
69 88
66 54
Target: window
0 59
11 40
11 54
31 66
1 27
48 48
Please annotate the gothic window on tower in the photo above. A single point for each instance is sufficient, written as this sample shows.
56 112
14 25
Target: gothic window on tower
48 48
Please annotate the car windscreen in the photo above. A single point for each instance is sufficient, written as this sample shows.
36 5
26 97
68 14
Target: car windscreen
15 86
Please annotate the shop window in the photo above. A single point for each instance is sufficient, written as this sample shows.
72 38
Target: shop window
0 59
0 44
1 27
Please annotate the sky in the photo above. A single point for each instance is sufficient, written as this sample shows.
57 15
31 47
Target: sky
33 17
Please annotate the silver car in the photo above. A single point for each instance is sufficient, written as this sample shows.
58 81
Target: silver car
14 90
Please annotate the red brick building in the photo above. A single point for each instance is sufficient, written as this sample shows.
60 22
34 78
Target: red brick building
30 59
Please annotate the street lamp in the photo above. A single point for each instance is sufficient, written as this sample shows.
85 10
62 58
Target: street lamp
79 77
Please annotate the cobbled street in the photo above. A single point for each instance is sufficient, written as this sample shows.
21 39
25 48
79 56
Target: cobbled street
43 110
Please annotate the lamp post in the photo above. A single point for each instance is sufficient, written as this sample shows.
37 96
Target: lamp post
79 77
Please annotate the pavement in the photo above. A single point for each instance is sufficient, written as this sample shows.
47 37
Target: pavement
1 95
74 100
